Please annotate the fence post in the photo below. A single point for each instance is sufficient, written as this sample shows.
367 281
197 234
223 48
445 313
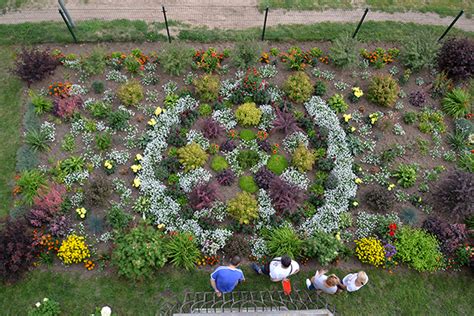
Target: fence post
68 25
66 13
360 23
264 24
451 25
166 23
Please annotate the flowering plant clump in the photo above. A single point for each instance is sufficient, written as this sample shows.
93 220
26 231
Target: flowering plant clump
380 57
81 212
60 89
209 60
370 250
109 166
73 250
356 94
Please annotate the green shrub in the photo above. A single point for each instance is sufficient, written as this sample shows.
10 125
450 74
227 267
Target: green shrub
72 164
41 103
420 51
410 118
100 109
205 109
245 54
218 164
207 87
98 86
303 158
320 88
418 249
323 247
175 58
192 156
47 307
298 87
118 120
117 218
431 121
343 51
337 103
130 93
247 184
182 250
30 182
37 139
457 103
406 175
247 135
247 159
103 141
383 91
248 114
466 162
138 253
95 63
277 164
284 241
244 208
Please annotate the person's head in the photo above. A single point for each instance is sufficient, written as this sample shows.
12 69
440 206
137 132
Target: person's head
362 277
285 261
235 261
332 280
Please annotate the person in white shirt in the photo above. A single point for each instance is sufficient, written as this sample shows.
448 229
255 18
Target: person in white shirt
354 281
320 281
279 269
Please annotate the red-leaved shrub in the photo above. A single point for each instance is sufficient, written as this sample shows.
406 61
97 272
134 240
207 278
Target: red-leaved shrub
65 107
456 58
34 65
203 196
16 250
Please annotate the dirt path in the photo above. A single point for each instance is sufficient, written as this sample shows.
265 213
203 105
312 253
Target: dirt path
230 14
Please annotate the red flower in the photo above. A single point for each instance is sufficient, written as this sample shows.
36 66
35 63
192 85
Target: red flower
392 226
391 233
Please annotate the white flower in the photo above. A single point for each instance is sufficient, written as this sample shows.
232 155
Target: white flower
45 299
38 304
105 311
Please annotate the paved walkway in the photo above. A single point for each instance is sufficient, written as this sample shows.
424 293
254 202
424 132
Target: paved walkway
230 14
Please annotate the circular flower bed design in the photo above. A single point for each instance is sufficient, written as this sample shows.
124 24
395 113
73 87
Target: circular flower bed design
249 162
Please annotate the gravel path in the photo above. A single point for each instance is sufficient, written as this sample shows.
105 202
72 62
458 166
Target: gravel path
230 14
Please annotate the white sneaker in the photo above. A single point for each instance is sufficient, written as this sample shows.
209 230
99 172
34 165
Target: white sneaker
308 283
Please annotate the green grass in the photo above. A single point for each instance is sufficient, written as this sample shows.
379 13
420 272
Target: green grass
442 7
10 116
369 32
11 4
404 293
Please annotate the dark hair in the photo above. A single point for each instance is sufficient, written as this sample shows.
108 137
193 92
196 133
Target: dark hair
235 261
285 261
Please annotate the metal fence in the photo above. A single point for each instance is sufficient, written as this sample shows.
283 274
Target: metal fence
222 17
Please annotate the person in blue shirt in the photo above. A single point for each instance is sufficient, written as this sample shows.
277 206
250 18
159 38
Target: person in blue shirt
225 278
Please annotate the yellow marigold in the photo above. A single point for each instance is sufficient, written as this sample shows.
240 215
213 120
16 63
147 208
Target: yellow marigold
73 249
370 250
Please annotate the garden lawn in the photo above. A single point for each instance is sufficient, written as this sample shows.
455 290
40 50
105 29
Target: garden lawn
10 116
403 293
442 7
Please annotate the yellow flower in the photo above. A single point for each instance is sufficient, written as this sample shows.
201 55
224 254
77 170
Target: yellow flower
138 157
353 129
160 226
390 186
355 203
357 92
108 164
152 122
338 236
158 111
358 180
136 182
136 168
347 117
82 216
